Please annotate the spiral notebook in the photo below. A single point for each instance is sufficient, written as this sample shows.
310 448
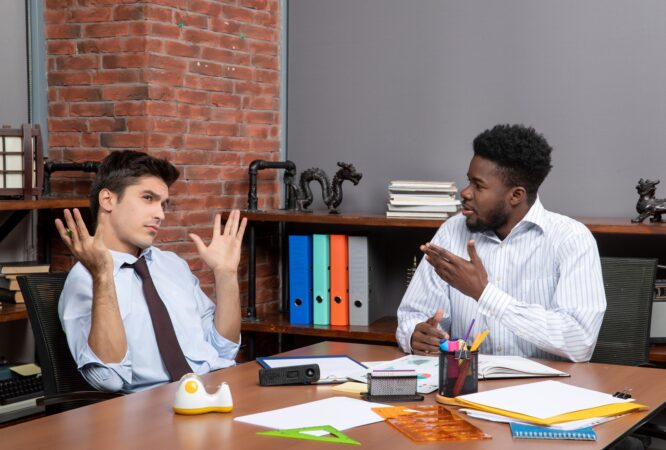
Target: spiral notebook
525 431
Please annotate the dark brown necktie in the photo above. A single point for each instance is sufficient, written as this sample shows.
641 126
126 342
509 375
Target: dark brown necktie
167 342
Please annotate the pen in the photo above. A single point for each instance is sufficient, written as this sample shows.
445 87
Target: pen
479 339
469 330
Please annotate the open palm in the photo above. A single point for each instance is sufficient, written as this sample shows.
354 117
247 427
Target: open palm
222 255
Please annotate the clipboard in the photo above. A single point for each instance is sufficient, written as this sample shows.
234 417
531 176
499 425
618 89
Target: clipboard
332 368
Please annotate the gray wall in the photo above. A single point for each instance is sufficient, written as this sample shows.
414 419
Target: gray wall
13 65
401 88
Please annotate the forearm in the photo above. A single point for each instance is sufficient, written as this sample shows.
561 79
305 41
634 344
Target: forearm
227 312
107 333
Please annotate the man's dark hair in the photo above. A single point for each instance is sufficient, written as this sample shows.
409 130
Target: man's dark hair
522 155
121 169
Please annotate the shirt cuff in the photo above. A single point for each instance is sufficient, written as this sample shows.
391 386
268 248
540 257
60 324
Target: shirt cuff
225 348
103 371
494 302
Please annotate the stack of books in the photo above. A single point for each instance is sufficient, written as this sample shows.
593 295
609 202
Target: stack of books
422 199
9 288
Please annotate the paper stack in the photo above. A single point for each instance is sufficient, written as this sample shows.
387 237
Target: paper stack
9 288
422 199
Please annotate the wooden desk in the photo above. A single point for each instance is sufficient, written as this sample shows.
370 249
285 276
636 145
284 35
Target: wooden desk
145 420
12 311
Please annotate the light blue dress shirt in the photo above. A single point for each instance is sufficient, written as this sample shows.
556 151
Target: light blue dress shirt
190 310
545 295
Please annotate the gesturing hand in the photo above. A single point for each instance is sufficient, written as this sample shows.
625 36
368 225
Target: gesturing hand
89 250
222 255
426 335
469 277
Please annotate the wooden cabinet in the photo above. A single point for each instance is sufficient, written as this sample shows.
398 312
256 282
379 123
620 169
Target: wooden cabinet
397 235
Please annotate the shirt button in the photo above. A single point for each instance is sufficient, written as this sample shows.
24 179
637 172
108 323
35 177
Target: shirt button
499 349
498 279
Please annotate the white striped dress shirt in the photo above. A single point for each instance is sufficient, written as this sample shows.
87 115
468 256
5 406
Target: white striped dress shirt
545 295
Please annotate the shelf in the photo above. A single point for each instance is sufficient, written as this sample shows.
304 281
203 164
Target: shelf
44 203
10 312
382 330
599 225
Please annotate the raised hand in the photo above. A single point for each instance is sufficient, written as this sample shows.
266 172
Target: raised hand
469 277
426 335
222 255
89 250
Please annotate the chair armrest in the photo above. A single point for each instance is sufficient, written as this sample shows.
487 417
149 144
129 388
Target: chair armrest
79 396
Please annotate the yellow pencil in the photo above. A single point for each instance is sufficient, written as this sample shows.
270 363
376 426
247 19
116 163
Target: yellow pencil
479 340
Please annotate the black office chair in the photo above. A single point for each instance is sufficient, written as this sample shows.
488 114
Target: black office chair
64 387
624 337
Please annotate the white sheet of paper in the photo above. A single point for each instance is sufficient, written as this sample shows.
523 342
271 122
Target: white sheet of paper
341 413
567 426
331 368
543 399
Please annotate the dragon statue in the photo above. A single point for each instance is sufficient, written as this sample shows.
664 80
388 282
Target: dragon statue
301 194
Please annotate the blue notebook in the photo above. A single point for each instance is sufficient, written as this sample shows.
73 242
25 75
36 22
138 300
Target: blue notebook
523 431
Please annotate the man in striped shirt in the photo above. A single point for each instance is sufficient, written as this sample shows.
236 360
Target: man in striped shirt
530 276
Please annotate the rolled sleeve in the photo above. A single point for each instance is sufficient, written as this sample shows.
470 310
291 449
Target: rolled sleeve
225 348
105 377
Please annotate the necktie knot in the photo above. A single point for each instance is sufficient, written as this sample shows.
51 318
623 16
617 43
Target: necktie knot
140 267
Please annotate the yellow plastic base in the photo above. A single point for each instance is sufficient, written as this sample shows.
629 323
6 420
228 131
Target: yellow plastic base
192 411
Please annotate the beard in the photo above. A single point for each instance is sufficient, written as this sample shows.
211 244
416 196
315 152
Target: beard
497 218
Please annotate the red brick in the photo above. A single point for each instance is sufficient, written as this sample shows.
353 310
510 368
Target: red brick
138 92
101 30
187 49
208 188
90 140
190 19
226 115
188 96
164 141
259 117
194 112
139 44
130 108
57 4
211 8
61 47
224 158
69 78
94 14
238 14
56 125
266 76
206 68
188 157
267 103
200 37
74 94
261 144
91 109
196 142
265 62
141 123
167 62
222 129
233 43
77 62
224 25
171 235
254 4
170 31
266 19
170 125
158 13
263 47
210 84
260 33
161 109
260 131
248 87
55 16
241 73
226 56
128 12
162 93
57 109
63 31
107 77
111 45
64 139
107 124
225 100
125 61
173 3
121 140
163 77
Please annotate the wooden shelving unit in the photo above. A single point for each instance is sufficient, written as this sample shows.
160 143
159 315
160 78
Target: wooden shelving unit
44 203
384 329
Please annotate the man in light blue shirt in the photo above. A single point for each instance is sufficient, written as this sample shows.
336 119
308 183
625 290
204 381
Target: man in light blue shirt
103 309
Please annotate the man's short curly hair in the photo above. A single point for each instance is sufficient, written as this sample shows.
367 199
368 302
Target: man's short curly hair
522 155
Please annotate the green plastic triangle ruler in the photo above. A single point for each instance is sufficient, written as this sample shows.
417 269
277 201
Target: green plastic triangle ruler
336 436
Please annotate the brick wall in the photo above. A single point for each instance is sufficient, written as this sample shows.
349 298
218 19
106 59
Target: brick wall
196 82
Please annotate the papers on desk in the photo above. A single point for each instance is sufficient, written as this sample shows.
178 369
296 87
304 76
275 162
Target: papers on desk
341 413
332 369
499 366
547 402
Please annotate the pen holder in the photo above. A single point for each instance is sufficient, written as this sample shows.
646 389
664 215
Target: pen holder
458 373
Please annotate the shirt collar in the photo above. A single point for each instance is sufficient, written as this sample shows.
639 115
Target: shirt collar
536 215
120 258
